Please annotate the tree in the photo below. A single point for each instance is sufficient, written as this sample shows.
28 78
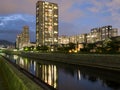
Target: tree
90 46
44 48
26 48
71 46
110 46
32 48
38 48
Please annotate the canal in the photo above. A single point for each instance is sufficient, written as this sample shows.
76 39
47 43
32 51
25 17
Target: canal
69 77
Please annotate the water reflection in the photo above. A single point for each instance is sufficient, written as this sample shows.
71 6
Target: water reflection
66 77
46 72
79 75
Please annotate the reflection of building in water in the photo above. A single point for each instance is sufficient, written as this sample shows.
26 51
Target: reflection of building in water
32 68
23 62
79 75
48 73
15 57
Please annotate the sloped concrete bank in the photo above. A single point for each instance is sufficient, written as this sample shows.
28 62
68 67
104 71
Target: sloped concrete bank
15 79
95 60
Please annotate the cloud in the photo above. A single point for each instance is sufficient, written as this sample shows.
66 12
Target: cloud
10 31
74 15
11 35
16 21
11 25
16 6
29 6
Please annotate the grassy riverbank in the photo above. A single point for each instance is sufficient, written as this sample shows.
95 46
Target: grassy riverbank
15 79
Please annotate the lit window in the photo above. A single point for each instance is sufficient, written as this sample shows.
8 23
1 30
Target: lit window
55 40
46 6
46 2
55 32
50 10
50 7
50 15
37 8
55 7
46 26
55 24
46 18
55 15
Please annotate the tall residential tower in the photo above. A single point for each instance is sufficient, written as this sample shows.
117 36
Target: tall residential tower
23 39
46 23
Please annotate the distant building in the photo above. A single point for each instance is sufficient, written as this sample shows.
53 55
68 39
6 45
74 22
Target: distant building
25 36
81 38
63 39
96 35
102 33
23 39
73 39
46 23
89 38
18 41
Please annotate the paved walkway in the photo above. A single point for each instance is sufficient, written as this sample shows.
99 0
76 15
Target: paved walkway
3 84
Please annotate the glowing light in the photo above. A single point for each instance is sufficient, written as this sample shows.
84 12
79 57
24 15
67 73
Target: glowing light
55 32
55 7
79 76
34 66
70 51
21 62
55 15
75 51
15 57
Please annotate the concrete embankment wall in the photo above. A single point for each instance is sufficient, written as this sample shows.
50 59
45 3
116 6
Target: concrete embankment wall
95 60
15 79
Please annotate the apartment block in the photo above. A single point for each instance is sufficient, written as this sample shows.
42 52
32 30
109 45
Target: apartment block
95 35
63 39
46 23
23 39
102 33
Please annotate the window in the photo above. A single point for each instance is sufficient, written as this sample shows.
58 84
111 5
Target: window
55 7
37 8
55 24
55 15
46 2
55 32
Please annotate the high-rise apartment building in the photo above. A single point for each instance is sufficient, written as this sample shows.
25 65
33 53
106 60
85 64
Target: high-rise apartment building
23 39
25 36
46 23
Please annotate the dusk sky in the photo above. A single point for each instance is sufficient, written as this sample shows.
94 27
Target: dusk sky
75 16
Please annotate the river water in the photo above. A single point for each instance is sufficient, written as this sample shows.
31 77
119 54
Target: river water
69 77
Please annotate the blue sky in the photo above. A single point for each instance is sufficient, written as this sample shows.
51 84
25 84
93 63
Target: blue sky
75 16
